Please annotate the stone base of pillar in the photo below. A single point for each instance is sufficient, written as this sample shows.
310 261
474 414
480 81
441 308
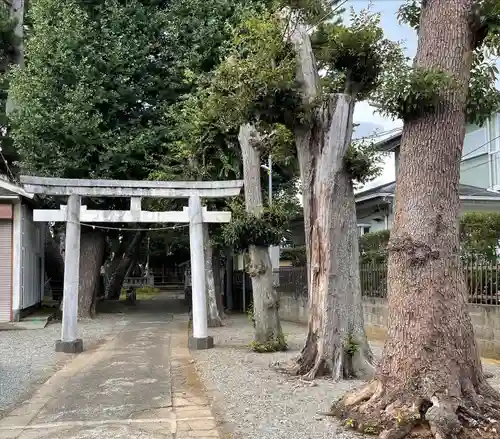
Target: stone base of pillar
198 344
70 347
16 315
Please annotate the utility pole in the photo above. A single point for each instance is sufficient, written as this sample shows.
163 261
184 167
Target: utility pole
274 251
270 166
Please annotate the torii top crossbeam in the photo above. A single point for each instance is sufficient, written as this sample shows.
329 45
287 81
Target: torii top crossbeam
130 188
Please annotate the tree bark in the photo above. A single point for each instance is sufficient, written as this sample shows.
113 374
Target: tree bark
114 287
218 270
268 333
91 259
131 266
336 343
54 265
214 318
430 380
118 251
229 280
17 12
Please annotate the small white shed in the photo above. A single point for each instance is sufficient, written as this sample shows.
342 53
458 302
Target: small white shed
22 271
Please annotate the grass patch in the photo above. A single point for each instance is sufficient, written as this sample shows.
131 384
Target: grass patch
145 293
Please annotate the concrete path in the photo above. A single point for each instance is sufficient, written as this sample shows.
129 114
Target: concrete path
140 384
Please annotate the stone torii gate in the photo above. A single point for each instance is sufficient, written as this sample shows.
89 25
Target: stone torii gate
74 213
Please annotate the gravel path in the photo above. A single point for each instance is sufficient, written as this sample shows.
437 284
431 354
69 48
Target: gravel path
28 358
258 403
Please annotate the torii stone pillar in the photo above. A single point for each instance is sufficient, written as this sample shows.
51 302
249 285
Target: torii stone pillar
200 338
74 213
69 342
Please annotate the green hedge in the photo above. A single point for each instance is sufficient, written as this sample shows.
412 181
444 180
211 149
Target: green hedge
479 236
297 255
373 247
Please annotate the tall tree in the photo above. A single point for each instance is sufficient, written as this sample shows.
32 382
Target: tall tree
85 108
430 376
9 43
272 79
17 11
92 249
214 313
212 144
268 332
114 286
336 342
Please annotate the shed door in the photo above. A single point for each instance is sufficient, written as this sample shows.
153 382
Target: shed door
5 270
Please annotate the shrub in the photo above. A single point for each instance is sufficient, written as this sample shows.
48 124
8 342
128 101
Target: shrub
373 247
295 254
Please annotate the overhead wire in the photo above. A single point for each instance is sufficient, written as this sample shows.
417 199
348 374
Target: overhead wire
327 15
127 229
480 146
484 163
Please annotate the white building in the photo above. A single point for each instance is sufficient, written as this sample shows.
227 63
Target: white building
22 272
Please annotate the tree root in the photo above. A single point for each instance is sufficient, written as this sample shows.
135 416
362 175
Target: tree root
400 414
312 364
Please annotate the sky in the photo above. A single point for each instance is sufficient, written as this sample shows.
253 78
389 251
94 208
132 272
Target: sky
364 114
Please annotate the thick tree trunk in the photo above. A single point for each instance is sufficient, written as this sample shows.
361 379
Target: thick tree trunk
118 252
17 12
336 344
218 270
114 287
60 239
54 262
229 280
214 318
91 259
131 266
268 333
430 376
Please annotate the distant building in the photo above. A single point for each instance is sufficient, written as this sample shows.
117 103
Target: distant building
479 178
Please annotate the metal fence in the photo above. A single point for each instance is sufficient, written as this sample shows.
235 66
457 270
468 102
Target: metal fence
138 282
293 280
482 280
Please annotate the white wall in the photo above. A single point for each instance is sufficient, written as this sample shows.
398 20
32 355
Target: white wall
467 206
376 221
31 260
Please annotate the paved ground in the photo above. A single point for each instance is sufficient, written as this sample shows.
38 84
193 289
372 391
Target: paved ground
28 358
141 384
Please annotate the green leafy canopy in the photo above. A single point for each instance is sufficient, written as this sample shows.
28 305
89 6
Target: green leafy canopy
362 161
257 81
408 93
245 229
355 55
8 45
91 98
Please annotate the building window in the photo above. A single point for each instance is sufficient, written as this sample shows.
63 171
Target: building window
475 141
363 229
494 151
